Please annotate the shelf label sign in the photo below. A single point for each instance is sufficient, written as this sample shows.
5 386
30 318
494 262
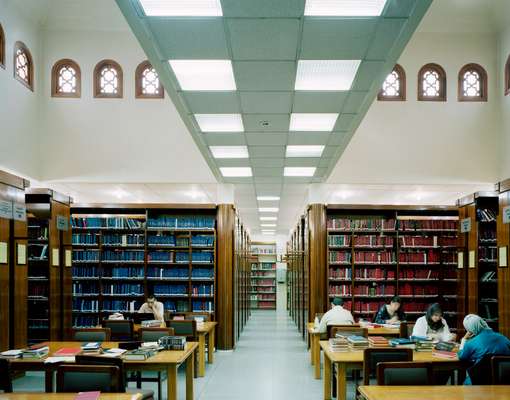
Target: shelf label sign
506 215
19 212
5 209
465 225
62 223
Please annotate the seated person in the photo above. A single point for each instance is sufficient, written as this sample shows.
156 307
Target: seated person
479 341
391 313
433 326
336 316
154 307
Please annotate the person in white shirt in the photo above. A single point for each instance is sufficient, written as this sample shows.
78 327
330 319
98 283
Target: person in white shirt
153 306
336 316
433 326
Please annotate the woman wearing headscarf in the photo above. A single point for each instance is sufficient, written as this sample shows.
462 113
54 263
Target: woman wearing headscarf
479 341
433 326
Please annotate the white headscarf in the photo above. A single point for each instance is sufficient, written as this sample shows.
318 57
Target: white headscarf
474 324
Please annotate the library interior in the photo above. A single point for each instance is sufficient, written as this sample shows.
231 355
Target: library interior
256 199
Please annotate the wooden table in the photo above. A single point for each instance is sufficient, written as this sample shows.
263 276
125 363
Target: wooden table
354 359
499 392
66 396
315 348
167 360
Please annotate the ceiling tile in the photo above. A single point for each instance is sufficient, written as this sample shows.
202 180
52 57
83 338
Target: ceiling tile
266 139
267 162
336 38
211 102
309 137
266 151
275 122
224 139
386 36
263 8
320 172
311 102
365 77
273 172
344 122
232 162
399 8
267 189
266 102
301 162
354 101
263 39
267 179
189 38
238 180
324 162
297 179
260 75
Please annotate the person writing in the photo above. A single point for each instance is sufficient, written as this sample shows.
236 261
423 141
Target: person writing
433 326
336 316
153 306
390 313
479 341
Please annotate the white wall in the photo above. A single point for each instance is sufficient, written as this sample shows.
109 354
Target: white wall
504 52
20 130
415 142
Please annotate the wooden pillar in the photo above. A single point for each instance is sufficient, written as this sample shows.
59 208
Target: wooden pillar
504 272
225 220
317 231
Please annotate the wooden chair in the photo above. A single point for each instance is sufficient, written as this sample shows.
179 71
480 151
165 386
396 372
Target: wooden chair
500 366
92 334
481 372
346 330
406 329
5 376
186 328
204 315
121 329
153 334
87 378
371 357
404 373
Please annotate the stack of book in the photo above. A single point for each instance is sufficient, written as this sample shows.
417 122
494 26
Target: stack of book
11 354
36 351
338 344
402 343
173 342
444 354
151 323
358 342
424 345
91 348
139 354
378 341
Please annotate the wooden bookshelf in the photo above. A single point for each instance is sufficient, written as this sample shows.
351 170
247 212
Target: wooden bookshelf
503 226
263 276
241 277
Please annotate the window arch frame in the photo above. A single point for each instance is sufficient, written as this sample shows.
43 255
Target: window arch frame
97 81
483 83
442 82
21 46
507 76
2 47
402 78
138 83
55 75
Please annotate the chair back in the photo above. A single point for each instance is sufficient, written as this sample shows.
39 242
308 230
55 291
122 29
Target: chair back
345 328
153 334
121 329
406 329
186 328
106 361
5 376
371 357
500 370
481 373
92 334
88 378
404 373
204 315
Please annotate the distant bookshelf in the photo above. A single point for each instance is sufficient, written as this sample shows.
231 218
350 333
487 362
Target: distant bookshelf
263 276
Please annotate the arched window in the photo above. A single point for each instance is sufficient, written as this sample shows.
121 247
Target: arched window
431 83
2 47
394 86
66 79
23 65
507 76
472 83
108 80
147 83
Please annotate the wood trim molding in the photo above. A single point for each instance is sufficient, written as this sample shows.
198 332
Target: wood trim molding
442 82
54 78
503 240
139 80
403 85
504 186
483 83
30 83
97 81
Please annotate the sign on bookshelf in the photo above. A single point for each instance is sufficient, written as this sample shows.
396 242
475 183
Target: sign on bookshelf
503 257
506 215
19 212
21 254
5 209
3 253
62 223
465 225
68 258
55 261
460 260
472 259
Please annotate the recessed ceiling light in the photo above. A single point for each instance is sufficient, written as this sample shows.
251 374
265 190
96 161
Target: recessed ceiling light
323 122
220 122
304 151
182 8
299 171
229 151
236 171
268 218
268 225
344 8
326 74
268 209
268 198
268 233
204 74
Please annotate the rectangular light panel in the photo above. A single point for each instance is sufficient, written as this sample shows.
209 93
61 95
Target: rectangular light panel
268 218
299 171
268 225
326 74
345 8
268 198
304 151
324 122
220 122
268 233
268 209
204 74
181 8
229 151
230 172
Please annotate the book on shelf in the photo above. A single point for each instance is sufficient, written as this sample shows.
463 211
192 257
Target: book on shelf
181 222
378 342
486 215
340 257
339 240
488 276
373 241
361 224
357 342
427 225
338 344
375 257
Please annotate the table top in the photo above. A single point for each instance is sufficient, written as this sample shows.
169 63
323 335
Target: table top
162 357
357 356
371 331
66 396
205 327
443 392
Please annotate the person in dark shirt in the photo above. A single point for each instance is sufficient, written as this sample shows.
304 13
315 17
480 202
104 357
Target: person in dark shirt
390 313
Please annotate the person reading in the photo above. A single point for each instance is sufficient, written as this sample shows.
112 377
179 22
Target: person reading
433 326
336 316
390 313
153 306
